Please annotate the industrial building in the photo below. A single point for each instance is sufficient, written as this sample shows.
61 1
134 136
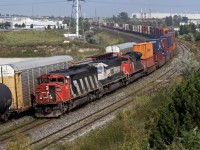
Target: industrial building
36 23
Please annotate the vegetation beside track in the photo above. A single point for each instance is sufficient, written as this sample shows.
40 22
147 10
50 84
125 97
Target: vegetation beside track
194 47
50 43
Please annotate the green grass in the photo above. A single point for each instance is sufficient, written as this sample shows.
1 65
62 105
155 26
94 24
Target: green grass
31 38
106 38
49 43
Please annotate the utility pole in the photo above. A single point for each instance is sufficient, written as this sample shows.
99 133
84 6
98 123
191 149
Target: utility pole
76 13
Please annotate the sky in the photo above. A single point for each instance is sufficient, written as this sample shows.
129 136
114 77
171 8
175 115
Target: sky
103 8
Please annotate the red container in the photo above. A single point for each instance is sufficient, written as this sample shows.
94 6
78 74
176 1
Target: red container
171 48
161 31
143 29
172 36
171 52
157 32
158 57
148 62
155 56
161 59
165 44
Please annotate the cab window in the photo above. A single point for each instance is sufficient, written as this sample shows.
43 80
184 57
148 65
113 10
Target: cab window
42 80
61 80
100 69
52 79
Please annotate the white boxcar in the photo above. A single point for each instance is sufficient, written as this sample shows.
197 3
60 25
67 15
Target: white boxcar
121 48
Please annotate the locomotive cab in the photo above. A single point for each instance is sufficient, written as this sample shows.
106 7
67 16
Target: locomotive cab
50 89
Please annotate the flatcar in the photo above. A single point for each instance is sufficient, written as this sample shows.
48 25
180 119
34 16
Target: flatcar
18 81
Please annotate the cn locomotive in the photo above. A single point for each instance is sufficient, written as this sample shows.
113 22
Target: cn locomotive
18 81
62 90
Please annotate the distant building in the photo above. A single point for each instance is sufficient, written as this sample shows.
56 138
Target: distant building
37 23
193 18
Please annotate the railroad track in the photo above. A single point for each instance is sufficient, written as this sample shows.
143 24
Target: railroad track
84 122
89 120
74 128
7 135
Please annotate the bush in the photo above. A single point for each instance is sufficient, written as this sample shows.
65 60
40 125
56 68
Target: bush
180 115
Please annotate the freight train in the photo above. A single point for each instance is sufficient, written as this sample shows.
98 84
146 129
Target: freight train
18 81
62 90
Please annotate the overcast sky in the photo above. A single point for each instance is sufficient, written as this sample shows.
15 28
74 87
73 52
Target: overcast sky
104 8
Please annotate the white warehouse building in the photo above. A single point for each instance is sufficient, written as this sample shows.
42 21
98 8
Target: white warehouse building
37 23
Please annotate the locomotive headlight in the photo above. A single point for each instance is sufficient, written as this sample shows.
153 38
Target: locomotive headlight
50 97
47 88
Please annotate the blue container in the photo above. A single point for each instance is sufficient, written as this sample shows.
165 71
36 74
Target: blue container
170 31
164 53
157 45
169 42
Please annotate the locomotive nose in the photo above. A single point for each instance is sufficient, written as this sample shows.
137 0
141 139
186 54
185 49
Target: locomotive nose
5 98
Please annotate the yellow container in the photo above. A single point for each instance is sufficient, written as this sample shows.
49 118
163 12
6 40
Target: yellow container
145 48
165 30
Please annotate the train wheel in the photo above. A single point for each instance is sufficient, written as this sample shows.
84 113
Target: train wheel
4 117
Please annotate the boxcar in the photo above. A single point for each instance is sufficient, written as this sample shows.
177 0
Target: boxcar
21 79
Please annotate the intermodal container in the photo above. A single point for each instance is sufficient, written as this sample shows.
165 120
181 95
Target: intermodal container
165 45
148 62
145 48
160 59
157 45
148 30
151 32
169 43
171 52
172 36
130 27
174 46
164 53
143 29
158 56
166 30
161 31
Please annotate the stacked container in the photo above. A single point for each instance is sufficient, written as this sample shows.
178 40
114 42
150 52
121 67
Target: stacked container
169 48
165 31
175 48
147 58
157 51
171 34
